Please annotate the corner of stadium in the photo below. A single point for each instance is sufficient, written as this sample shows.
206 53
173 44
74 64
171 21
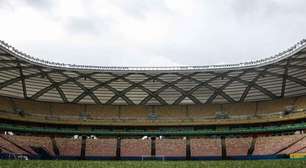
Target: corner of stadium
246 111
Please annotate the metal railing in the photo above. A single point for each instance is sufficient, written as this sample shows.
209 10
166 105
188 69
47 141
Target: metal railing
282 55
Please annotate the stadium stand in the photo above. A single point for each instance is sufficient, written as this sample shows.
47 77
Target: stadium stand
238 146
237 112
173 148
198 111
206 147
252 110
170 112
274 106
298 146
103 112
68 147
272 145
300 102
66 110
27 145
240 109
6 104
10 146
99 148
134 112
44 147
135 147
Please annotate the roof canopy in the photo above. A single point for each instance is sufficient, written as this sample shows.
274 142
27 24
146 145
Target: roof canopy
23 76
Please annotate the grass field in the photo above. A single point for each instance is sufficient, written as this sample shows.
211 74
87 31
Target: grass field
158 164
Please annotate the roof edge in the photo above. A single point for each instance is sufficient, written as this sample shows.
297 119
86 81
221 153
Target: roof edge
223 67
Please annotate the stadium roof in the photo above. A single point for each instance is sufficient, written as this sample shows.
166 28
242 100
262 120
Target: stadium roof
23 76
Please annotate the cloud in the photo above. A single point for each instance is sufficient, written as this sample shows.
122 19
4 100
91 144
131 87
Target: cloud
140 8
78 25
40 4
152 33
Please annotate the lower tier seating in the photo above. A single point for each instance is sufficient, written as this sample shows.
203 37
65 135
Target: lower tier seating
271 145
101 147
205 147
63 147
298 147
135 147
26 145
68 146
171 147
238 146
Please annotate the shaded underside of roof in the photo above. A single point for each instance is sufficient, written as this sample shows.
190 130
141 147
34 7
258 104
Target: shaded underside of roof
21 78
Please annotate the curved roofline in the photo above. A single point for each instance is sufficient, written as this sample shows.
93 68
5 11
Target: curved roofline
223 67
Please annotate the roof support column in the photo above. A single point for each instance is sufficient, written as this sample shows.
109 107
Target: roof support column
285 79
22 81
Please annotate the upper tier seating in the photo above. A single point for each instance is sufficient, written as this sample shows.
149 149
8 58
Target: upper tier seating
33 107
6 104
274 106
170 112
240 109
300 102
103 112
66 109
75 113
199 111
134 112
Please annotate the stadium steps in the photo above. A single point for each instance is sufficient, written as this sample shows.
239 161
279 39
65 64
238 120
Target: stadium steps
41 152
118 149
293 143
188 149
16 145
223 146
153 146
83 148
55 147
299 149
252 146
3 148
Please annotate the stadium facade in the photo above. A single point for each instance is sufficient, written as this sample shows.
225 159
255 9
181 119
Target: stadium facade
249 110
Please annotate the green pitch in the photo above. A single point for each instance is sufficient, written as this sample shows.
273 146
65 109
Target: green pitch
157 164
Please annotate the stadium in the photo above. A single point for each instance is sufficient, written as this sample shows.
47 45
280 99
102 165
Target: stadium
247 111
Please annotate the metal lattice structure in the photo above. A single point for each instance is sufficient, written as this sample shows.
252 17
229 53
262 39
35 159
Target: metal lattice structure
23 76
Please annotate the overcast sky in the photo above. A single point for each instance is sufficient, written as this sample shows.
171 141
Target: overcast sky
152 32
